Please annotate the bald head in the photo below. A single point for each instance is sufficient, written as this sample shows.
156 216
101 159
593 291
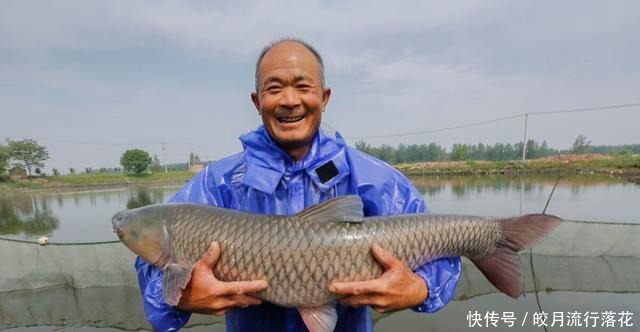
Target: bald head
290 45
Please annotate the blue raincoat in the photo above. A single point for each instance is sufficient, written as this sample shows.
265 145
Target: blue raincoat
263 179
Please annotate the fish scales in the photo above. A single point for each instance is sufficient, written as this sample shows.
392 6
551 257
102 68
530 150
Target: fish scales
299 259
299 256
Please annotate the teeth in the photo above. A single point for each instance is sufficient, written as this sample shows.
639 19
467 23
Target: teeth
294 119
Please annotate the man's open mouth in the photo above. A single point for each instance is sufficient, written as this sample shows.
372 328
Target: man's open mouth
290 119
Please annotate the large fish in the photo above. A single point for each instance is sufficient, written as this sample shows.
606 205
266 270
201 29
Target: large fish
300 255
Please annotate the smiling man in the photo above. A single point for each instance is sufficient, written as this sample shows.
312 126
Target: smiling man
291 96
287 165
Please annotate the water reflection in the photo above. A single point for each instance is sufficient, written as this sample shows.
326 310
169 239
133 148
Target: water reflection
579 197
81 216
27 215
462 186
140 198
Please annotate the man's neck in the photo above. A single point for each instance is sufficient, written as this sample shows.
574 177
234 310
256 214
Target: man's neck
298 153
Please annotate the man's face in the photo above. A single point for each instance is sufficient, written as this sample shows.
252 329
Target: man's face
291 96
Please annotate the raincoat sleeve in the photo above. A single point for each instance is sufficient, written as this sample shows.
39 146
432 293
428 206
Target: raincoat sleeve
440 275
162 316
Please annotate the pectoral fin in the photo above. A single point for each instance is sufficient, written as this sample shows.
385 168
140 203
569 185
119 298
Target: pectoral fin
320 319
176 279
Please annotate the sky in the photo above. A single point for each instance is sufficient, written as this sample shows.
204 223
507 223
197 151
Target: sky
91 79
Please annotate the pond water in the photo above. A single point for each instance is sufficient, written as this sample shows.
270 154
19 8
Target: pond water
71 217
586 269
85 216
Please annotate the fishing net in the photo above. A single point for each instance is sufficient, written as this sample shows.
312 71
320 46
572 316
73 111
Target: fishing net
95 284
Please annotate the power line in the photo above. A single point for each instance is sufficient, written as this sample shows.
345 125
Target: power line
588 109
81 142
478 123
439 129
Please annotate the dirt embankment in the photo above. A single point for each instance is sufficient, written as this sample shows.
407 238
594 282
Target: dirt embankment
627 167
572 158
633 176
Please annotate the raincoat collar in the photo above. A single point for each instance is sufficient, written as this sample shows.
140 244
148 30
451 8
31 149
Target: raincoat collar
266 163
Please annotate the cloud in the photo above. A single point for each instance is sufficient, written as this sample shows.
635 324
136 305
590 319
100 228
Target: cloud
182 71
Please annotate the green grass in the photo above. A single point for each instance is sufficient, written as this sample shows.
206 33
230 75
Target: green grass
8 186
109 179
93 180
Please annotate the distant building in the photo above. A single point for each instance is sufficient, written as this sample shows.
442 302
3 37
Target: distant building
18 173
195 168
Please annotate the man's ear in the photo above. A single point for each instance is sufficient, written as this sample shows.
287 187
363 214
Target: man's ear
326 95
256 101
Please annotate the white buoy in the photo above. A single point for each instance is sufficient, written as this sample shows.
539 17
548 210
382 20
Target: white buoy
43 240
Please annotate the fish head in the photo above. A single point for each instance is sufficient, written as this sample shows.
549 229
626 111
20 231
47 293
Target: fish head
143 231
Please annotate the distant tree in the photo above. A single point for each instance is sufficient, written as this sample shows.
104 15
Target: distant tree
28 154
155 164
4 159
363 146
477 152
459 151
88 170
387 153
194 158
581 144
72 170
545 150
532 149
135 161
435 152
55 172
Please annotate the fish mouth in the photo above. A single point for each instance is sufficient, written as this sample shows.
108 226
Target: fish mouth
290 119
116 225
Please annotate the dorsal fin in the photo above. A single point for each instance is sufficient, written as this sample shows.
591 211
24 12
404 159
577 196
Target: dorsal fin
340 209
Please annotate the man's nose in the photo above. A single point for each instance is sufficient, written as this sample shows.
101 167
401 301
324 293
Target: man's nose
289 97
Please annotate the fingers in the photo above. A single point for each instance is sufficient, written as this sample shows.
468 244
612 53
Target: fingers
379 303
384 257
223 304
244 301
386 260
242 287
235 301
211 256
356 287
356 300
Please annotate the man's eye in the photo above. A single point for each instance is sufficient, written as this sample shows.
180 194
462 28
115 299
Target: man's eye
303 87
273 88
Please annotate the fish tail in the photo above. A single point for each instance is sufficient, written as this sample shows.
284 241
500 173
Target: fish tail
503 267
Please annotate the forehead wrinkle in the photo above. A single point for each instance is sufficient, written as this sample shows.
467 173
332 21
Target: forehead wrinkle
288 77
301 66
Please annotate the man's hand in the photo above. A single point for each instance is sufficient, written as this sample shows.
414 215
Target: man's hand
396 289
206 294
